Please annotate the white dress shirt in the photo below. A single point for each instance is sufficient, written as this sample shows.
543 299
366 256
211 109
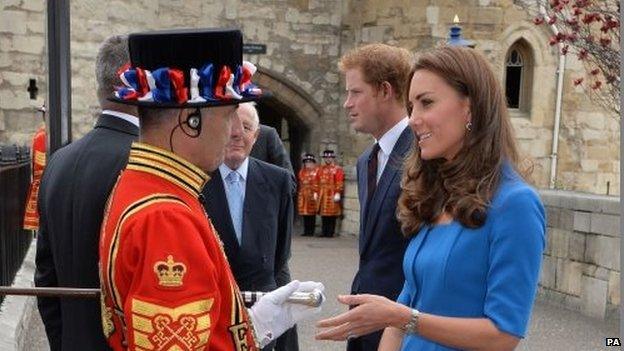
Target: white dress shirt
242 171
130 118
386 144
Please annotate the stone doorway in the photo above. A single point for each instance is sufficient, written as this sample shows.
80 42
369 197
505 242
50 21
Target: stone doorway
292 112
293 132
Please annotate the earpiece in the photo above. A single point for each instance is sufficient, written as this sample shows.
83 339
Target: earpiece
193 120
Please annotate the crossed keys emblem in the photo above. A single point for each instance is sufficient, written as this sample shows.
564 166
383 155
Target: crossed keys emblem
179 332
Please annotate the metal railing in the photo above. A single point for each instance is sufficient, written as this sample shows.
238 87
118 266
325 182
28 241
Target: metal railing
14 183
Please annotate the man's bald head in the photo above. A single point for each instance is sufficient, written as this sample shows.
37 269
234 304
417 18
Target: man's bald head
249 109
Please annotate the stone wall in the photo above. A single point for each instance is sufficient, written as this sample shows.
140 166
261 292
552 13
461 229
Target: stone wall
589 137
589 149
581 267
22 57
302 39
19 313
300 36
305 39
350 224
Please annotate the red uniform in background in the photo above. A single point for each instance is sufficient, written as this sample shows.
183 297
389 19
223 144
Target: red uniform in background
38 162
307 194
331 185
166 283
307 201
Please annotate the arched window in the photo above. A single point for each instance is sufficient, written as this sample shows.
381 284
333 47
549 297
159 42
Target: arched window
519 76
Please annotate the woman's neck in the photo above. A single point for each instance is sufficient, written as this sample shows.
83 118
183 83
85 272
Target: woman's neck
444 218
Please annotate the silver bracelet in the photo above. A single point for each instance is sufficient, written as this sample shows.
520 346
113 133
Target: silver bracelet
412 326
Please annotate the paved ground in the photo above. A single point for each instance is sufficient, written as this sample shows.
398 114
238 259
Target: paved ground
333 261
37 340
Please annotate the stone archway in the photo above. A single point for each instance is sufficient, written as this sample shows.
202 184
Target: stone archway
291 111
534 126
544 65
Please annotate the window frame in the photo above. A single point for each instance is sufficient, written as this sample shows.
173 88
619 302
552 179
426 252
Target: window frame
525 88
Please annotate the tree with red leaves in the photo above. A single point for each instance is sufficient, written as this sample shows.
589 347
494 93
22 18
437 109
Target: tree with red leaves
589 29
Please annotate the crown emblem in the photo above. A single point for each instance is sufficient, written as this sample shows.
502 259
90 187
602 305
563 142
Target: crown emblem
170 273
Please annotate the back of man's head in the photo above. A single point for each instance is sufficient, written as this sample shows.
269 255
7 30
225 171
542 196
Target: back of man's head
380 63
154 118
112 55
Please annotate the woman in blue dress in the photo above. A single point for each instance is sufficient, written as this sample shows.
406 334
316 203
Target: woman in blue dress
477 229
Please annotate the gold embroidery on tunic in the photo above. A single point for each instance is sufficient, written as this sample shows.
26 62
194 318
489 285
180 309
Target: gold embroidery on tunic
111 272
40 158
239 336
170 273
156 327
107 316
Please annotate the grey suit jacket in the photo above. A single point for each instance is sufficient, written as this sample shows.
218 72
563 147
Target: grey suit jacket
269 148
261 262
74 190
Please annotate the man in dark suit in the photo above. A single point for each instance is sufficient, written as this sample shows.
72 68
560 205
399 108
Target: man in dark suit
250 204
269 148
74 190
376 82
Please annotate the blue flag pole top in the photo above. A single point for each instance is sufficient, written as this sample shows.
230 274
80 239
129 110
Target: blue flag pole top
455 36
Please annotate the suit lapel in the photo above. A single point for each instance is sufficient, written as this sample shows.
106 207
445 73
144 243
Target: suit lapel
388 177
255 188
218 205
363 182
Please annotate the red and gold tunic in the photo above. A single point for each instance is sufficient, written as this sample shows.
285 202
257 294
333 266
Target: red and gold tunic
38 162
166 283
331 182
308 186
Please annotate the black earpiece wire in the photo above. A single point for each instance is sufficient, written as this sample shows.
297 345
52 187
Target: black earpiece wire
197 129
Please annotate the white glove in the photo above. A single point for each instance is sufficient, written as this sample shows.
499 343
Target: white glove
271 316
337 197
315 196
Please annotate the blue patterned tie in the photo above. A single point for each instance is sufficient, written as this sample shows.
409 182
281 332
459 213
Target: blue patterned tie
234 193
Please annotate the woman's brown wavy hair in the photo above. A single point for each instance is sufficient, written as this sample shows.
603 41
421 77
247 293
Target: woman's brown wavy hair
463 186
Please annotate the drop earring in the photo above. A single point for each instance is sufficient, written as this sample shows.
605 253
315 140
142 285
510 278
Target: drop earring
469 126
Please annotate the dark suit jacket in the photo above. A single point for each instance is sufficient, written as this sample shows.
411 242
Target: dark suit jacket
269 148
74 190
261 264
381 244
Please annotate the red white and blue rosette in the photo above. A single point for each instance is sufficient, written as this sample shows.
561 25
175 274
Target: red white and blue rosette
167 86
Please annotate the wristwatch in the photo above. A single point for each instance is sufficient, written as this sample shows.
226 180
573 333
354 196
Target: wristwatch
411 326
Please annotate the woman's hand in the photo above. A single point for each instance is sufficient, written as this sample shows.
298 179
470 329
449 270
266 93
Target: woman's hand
371 314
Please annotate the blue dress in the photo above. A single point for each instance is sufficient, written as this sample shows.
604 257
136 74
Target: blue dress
489 272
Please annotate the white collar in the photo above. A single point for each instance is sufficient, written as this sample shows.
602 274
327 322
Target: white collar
241 170
389 139
130 118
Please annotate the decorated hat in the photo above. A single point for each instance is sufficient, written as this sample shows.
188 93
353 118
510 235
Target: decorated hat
329 153
308 158
186 68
